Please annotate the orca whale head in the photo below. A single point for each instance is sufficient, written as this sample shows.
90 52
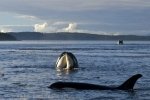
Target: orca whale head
67 61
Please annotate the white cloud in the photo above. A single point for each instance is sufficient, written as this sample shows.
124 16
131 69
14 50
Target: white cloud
60 23
40 27
71 27
56 27
75 27
27 17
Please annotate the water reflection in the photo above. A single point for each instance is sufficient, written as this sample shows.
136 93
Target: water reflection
119 95
66 72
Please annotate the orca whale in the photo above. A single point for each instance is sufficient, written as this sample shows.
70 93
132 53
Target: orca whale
127 85
66 60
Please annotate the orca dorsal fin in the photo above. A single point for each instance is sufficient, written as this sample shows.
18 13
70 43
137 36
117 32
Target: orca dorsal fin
129 84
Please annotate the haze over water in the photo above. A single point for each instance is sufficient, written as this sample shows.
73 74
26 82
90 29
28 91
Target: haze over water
28 67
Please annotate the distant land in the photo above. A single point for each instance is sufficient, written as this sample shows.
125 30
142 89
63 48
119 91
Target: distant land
7 37
68 36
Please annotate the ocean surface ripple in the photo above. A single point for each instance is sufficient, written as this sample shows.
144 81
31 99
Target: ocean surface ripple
27 68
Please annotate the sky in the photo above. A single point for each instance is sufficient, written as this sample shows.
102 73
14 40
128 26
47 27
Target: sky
106 17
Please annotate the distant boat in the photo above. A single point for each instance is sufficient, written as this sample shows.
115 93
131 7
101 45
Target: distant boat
120 42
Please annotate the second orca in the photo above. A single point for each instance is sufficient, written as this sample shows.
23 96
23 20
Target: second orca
127 85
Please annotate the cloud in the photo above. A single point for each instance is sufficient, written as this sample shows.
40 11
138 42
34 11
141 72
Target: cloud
60 23
16 28
71 27
57 15
61 26
50 27
70 5
40 27
74 27
27 17
58 27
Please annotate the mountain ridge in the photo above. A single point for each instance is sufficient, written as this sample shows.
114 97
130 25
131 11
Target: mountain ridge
7 37
74 36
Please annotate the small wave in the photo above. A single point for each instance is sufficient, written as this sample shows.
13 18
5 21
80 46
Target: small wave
19 84
56 49
31 66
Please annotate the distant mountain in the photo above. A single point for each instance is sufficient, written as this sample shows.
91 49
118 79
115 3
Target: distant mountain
70 36
27 35
87 36
74 36
6 37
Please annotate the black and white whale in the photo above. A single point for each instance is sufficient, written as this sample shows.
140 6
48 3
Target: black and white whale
127 85
67 61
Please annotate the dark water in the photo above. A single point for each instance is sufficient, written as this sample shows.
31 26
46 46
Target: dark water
27 68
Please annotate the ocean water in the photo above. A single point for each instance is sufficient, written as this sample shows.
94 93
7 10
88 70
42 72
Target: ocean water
27 68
